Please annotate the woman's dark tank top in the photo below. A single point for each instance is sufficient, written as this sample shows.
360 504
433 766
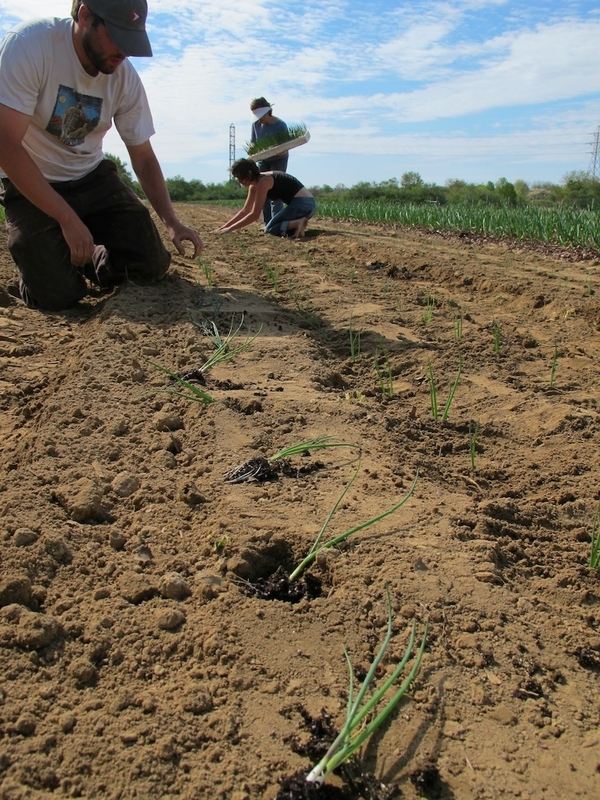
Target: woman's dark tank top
285 187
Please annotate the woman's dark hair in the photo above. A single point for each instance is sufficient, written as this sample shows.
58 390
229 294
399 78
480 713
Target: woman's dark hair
244 169
259 102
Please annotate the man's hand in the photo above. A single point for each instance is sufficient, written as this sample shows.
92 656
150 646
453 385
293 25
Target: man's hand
79 239
180 233
149 174
26 176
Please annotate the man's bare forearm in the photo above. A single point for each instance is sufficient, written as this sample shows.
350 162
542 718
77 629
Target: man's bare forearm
26 176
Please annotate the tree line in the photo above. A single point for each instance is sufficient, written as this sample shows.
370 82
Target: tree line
577 189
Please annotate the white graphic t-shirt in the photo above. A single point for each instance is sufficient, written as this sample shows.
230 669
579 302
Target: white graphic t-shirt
41 76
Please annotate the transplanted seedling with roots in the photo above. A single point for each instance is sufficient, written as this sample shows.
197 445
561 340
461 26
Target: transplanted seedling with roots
595 551
224 347
319 548
300 584
360 722
267 467
191 392
224 351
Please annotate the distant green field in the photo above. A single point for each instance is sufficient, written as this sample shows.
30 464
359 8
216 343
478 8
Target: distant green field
558 225
570 227
562 225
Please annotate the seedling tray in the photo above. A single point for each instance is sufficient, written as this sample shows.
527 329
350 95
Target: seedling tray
271 152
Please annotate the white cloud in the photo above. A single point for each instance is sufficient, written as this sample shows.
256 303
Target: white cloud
422 80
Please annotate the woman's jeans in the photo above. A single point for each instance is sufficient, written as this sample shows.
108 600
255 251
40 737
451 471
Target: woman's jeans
298 208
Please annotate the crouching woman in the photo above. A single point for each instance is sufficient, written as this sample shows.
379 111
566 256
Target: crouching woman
299 203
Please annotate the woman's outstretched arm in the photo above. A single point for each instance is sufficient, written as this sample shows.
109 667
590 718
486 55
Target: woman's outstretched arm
257 195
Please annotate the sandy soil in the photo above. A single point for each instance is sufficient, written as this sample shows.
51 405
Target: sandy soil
133 664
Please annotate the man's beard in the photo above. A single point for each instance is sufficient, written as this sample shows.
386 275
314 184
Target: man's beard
98 61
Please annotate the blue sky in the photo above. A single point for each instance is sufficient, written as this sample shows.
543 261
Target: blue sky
469 89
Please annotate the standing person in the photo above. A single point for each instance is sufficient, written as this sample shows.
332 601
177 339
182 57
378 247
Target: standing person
274 185
268 125
63 82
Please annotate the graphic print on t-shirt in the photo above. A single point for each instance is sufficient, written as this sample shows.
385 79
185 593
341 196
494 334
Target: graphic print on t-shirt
74 116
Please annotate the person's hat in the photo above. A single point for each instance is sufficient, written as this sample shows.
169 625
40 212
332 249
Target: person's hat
259 113
125 22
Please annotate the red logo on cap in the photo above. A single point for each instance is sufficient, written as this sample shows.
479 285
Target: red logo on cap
134 16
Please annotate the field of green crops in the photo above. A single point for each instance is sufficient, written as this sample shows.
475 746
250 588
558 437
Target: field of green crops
570 227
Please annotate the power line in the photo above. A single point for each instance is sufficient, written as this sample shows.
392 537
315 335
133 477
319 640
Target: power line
595 161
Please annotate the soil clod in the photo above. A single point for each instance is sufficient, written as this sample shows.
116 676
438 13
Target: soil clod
428 782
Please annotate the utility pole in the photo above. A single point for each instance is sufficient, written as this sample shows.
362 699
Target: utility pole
231 145
594 169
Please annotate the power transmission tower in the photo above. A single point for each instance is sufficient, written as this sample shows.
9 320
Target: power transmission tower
594 169
231 145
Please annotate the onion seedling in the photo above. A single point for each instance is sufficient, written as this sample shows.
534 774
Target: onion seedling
272 140
272 272
193 393
318 443
428 313
446 410
261 468
595 552
319 548
206 267
349 739
223 352
496 335
309 318
354 343
473 434
386 379
223 347
458 326
433 393
215 299
554 366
